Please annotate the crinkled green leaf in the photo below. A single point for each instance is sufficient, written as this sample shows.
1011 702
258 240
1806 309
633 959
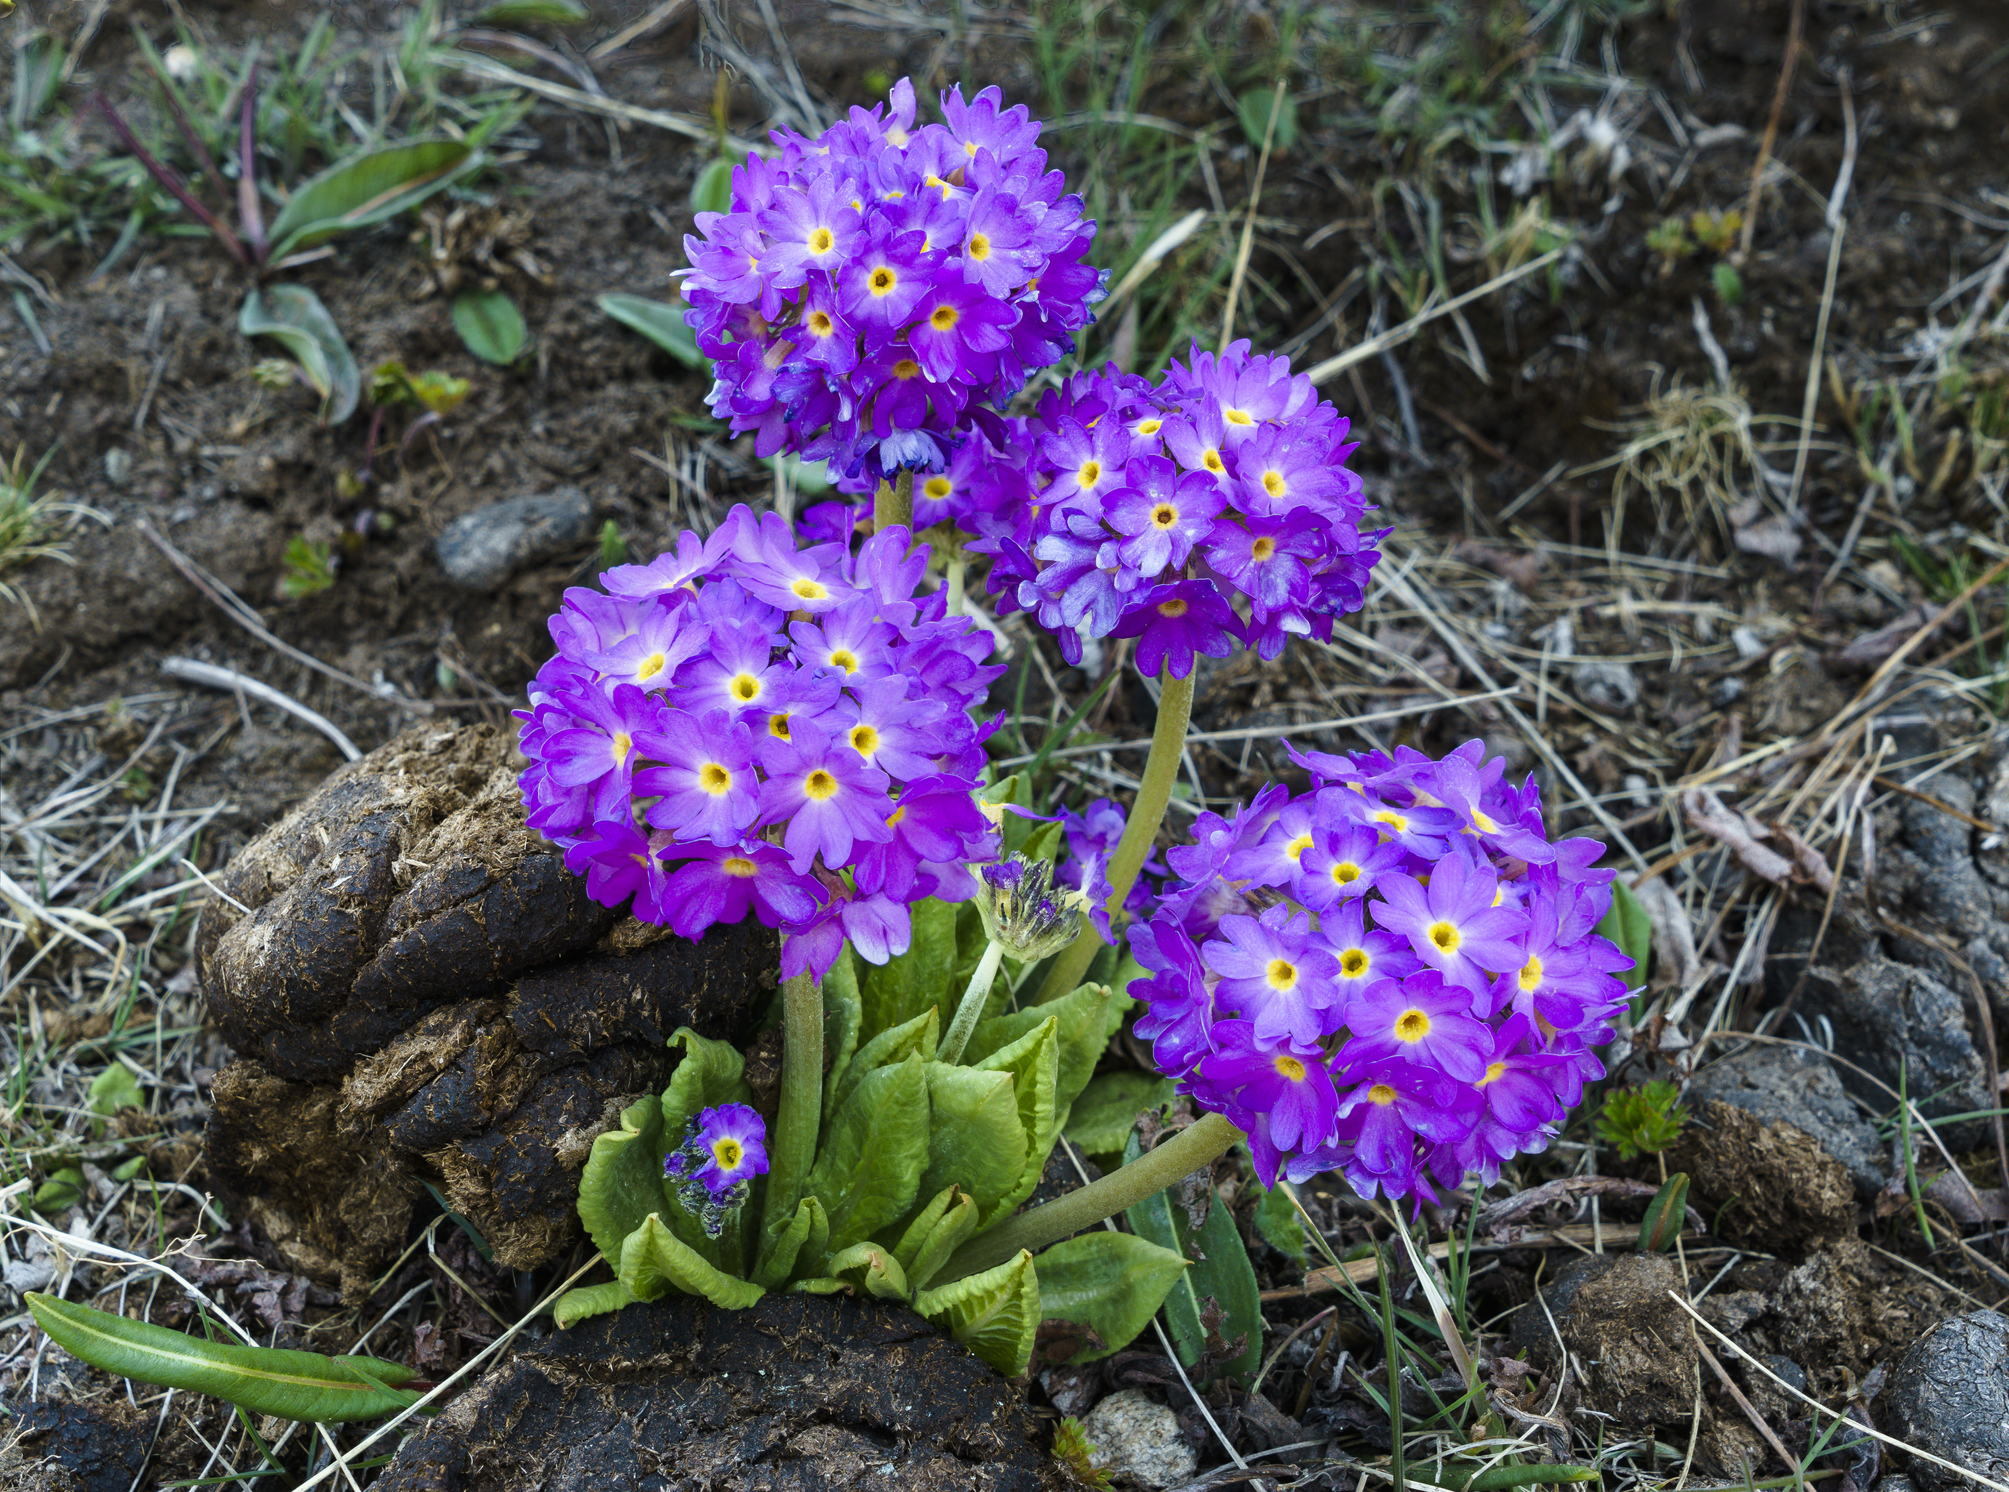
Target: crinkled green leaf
371 187
1087 1017
623 1180
868 1168
870 1268
976 1140
654 1261
1110 1282
659 321
995 1314
1103 1116
712 191
937 1233
591 1300
917 1035
897 991
1279 1222
1033 1061
491 325
1627 925
1221 1271
290 1385
294 317
804 1241
842 1016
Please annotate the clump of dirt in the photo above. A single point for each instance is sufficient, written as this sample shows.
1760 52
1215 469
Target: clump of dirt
75 1447
426 996
800 1392
1629 1341
1767 1184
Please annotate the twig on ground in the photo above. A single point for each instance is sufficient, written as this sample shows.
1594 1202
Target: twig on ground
1837 230
215 676
1241 268
668 11
1794 28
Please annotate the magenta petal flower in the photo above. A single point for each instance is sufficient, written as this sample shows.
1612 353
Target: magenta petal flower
1392 1107
723 885
1179 1012
886 279
825 793
1274 973
1453 925
1284 1080
599 754
733 1139
1176 624
620 862
704 782
935 821
1420 1020
1161 514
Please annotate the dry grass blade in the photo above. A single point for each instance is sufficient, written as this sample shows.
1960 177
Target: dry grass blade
214 676
1395 336
677 124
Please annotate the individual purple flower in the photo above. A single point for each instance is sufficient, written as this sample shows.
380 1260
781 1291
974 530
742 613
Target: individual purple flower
704 782
1391 1108
1285 1080
621 863
1176 624
1179 1014
734 1141
724 884
1420 1020
1453 925
1273 972
935 821
599 753
826 794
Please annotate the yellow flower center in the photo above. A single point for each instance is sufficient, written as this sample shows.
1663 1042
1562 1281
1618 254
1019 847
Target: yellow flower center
864 740
1238 417
810 590
938 487
1289 1066
1493 1071
820 785
1345 873
739 867
820 324
944 317
1273 482
1164 515
1281 974
1211 459
1296 848
845 659
821 241
882 281
1445 935
1412 1025
1484 824
906 368
1262 549
623 744
714 778
1393 819
1531 975
1353 963
980 247
1149 427
1089 473
726 1152
744 687
777 726
1176 607
652 665
1381 1095
898 814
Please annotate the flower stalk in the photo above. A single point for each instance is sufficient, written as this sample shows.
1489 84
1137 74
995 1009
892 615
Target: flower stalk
1168 745
1195 1146
972 1007
792 1142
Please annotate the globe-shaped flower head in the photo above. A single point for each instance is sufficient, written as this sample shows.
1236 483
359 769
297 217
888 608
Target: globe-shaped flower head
869 292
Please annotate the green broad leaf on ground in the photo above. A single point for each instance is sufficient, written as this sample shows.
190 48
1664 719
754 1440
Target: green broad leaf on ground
1253 109
1088 1016
937 1233
921 1034
868 1167
1279 1222
712 191
661 322
294 317
804 1241
1105 1113
289 1385
113 1089
591 1300
654 1261
64 1188
623 1180
534 12
1221 1272
1112 1283
1033 1062
995 1314
491 326
976 1138
1627 925
368 188
901 989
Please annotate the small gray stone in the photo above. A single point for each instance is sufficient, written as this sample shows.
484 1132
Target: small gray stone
1793 1086
1131 1433
480 550
1606 685
1950 1396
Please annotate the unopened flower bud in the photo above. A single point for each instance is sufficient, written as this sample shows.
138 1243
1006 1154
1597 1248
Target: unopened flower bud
1023 910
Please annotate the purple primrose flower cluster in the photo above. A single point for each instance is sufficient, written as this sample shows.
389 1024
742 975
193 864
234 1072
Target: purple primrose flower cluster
744 725
1210 507
1394 975
875 291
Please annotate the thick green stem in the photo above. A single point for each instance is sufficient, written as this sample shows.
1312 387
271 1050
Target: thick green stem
954 581
1168 744
972 1007
1391 1346
894 506
791 1144
1179 1157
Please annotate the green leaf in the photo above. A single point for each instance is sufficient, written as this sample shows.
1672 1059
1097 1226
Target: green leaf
937 1233
977 1139
113 1089
532 12
654 1261
1253 109
868 1169
711 1073
1627 925
490 325
803 1241
917 1035
290 1385
1665 1215
64 1188
294 317
1220 1271
1033 1061
1110 1282
368 188
995 1314
866 1267
659 321
1103 1116
1279 1222
1043 843
1087 1017
591 1300
623 1180
901 989
712 191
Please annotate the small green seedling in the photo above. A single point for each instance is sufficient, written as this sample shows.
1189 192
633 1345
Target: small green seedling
1071 1448
1643 1120
306 567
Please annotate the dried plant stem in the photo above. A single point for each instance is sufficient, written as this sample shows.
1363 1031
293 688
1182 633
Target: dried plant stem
1168 745
894 506
792 1141
1179 1157
972 1007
